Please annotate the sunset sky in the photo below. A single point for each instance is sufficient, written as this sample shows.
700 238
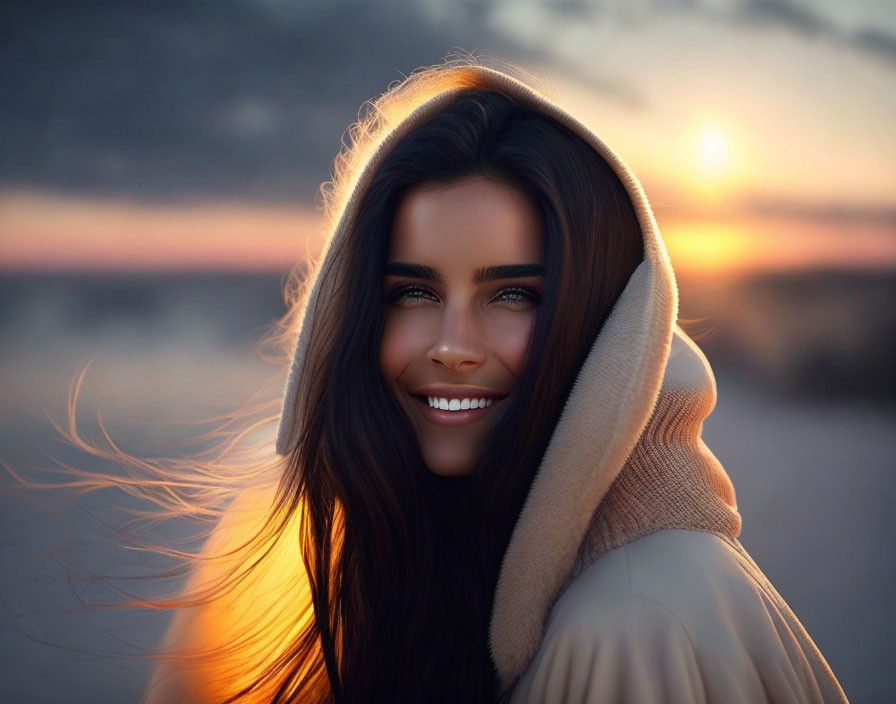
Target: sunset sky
171 139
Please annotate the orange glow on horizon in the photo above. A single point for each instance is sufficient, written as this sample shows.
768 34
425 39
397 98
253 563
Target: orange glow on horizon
743 245
52 233
47 232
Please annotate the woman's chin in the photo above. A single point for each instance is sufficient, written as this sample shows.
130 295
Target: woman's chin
450 466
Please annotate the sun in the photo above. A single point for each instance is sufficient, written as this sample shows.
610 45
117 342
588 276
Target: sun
713 152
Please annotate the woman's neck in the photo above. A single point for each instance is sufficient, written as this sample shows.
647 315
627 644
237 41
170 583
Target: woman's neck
451 488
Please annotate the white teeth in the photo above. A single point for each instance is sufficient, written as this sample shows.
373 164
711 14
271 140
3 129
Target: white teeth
457 404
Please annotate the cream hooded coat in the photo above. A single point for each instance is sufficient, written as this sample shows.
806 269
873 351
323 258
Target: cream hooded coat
623 580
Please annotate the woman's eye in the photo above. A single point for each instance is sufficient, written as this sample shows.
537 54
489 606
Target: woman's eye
519 296
409 292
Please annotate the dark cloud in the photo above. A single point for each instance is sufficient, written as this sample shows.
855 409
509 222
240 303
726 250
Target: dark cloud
806 21
245 98
875 41
170 98
784 13
791 15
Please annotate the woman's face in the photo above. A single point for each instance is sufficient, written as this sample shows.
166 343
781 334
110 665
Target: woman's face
462 284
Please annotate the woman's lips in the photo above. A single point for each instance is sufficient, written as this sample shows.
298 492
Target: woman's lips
451 418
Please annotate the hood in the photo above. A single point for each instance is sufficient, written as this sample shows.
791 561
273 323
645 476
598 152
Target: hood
626 457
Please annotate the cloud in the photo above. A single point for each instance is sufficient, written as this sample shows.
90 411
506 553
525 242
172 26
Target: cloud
806 21
245 98
783 13
790 15
875 41
250 98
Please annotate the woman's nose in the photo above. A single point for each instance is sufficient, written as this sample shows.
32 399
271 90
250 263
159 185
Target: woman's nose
458 342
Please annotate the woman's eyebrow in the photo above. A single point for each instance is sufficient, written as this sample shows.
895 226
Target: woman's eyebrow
413 271
490 273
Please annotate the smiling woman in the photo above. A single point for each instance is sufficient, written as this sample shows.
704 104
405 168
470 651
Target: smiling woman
489 482
466 236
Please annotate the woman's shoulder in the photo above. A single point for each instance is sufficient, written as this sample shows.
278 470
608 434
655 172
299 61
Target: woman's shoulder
685 572
689 585
680 555
675 616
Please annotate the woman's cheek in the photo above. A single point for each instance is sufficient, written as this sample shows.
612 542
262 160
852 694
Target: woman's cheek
510 340
400 343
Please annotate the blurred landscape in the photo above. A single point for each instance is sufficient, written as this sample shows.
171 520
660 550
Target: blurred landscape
823 336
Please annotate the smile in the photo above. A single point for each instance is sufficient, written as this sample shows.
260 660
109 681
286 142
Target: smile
458 404
454 412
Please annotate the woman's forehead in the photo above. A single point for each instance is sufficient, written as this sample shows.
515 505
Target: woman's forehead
468 224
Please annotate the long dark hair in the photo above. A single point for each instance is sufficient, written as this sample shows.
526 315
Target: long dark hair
403 577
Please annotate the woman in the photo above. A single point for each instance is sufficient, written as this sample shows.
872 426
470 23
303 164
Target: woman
492 464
